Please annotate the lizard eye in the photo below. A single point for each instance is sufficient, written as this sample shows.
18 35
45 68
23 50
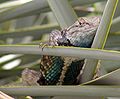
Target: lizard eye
68 41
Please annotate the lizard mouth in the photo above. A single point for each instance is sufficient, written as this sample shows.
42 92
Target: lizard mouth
64 42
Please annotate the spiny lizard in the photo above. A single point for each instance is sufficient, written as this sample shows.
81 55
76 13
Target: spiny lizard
58 70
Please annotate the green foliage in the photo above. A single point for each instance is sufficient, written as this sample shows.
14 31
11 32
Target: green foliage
24 26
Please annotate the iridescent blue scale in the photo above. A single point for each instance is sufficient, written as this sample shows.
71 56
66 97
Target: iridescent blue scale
54 72
80 34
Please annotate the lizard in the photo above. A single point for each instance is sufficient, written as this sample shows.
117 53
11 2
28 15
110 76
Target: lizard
58 70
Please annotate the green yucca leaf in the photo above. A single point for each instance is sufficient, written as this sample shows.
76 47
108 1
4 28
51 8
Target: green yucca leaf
62 90
34 7
63 11
100 38
13 3
112 78
61 51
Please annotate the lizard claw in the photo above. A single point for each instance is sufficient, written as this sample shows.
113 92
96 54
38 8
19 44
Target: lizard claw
43 45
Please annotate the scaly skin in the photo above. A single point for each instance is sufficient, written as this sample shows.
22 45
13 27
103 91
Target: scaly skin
64 70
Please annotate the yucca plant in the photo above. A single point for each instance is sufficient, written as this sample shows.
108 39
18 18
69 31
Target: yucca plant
24 26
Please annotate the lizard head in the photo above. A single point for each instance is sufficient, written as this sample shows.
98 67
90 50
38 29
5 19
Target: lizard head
59 38
62 40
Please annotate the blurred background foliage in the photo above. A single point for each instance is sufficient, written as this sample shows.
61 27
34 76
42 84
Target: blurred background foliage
30 22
